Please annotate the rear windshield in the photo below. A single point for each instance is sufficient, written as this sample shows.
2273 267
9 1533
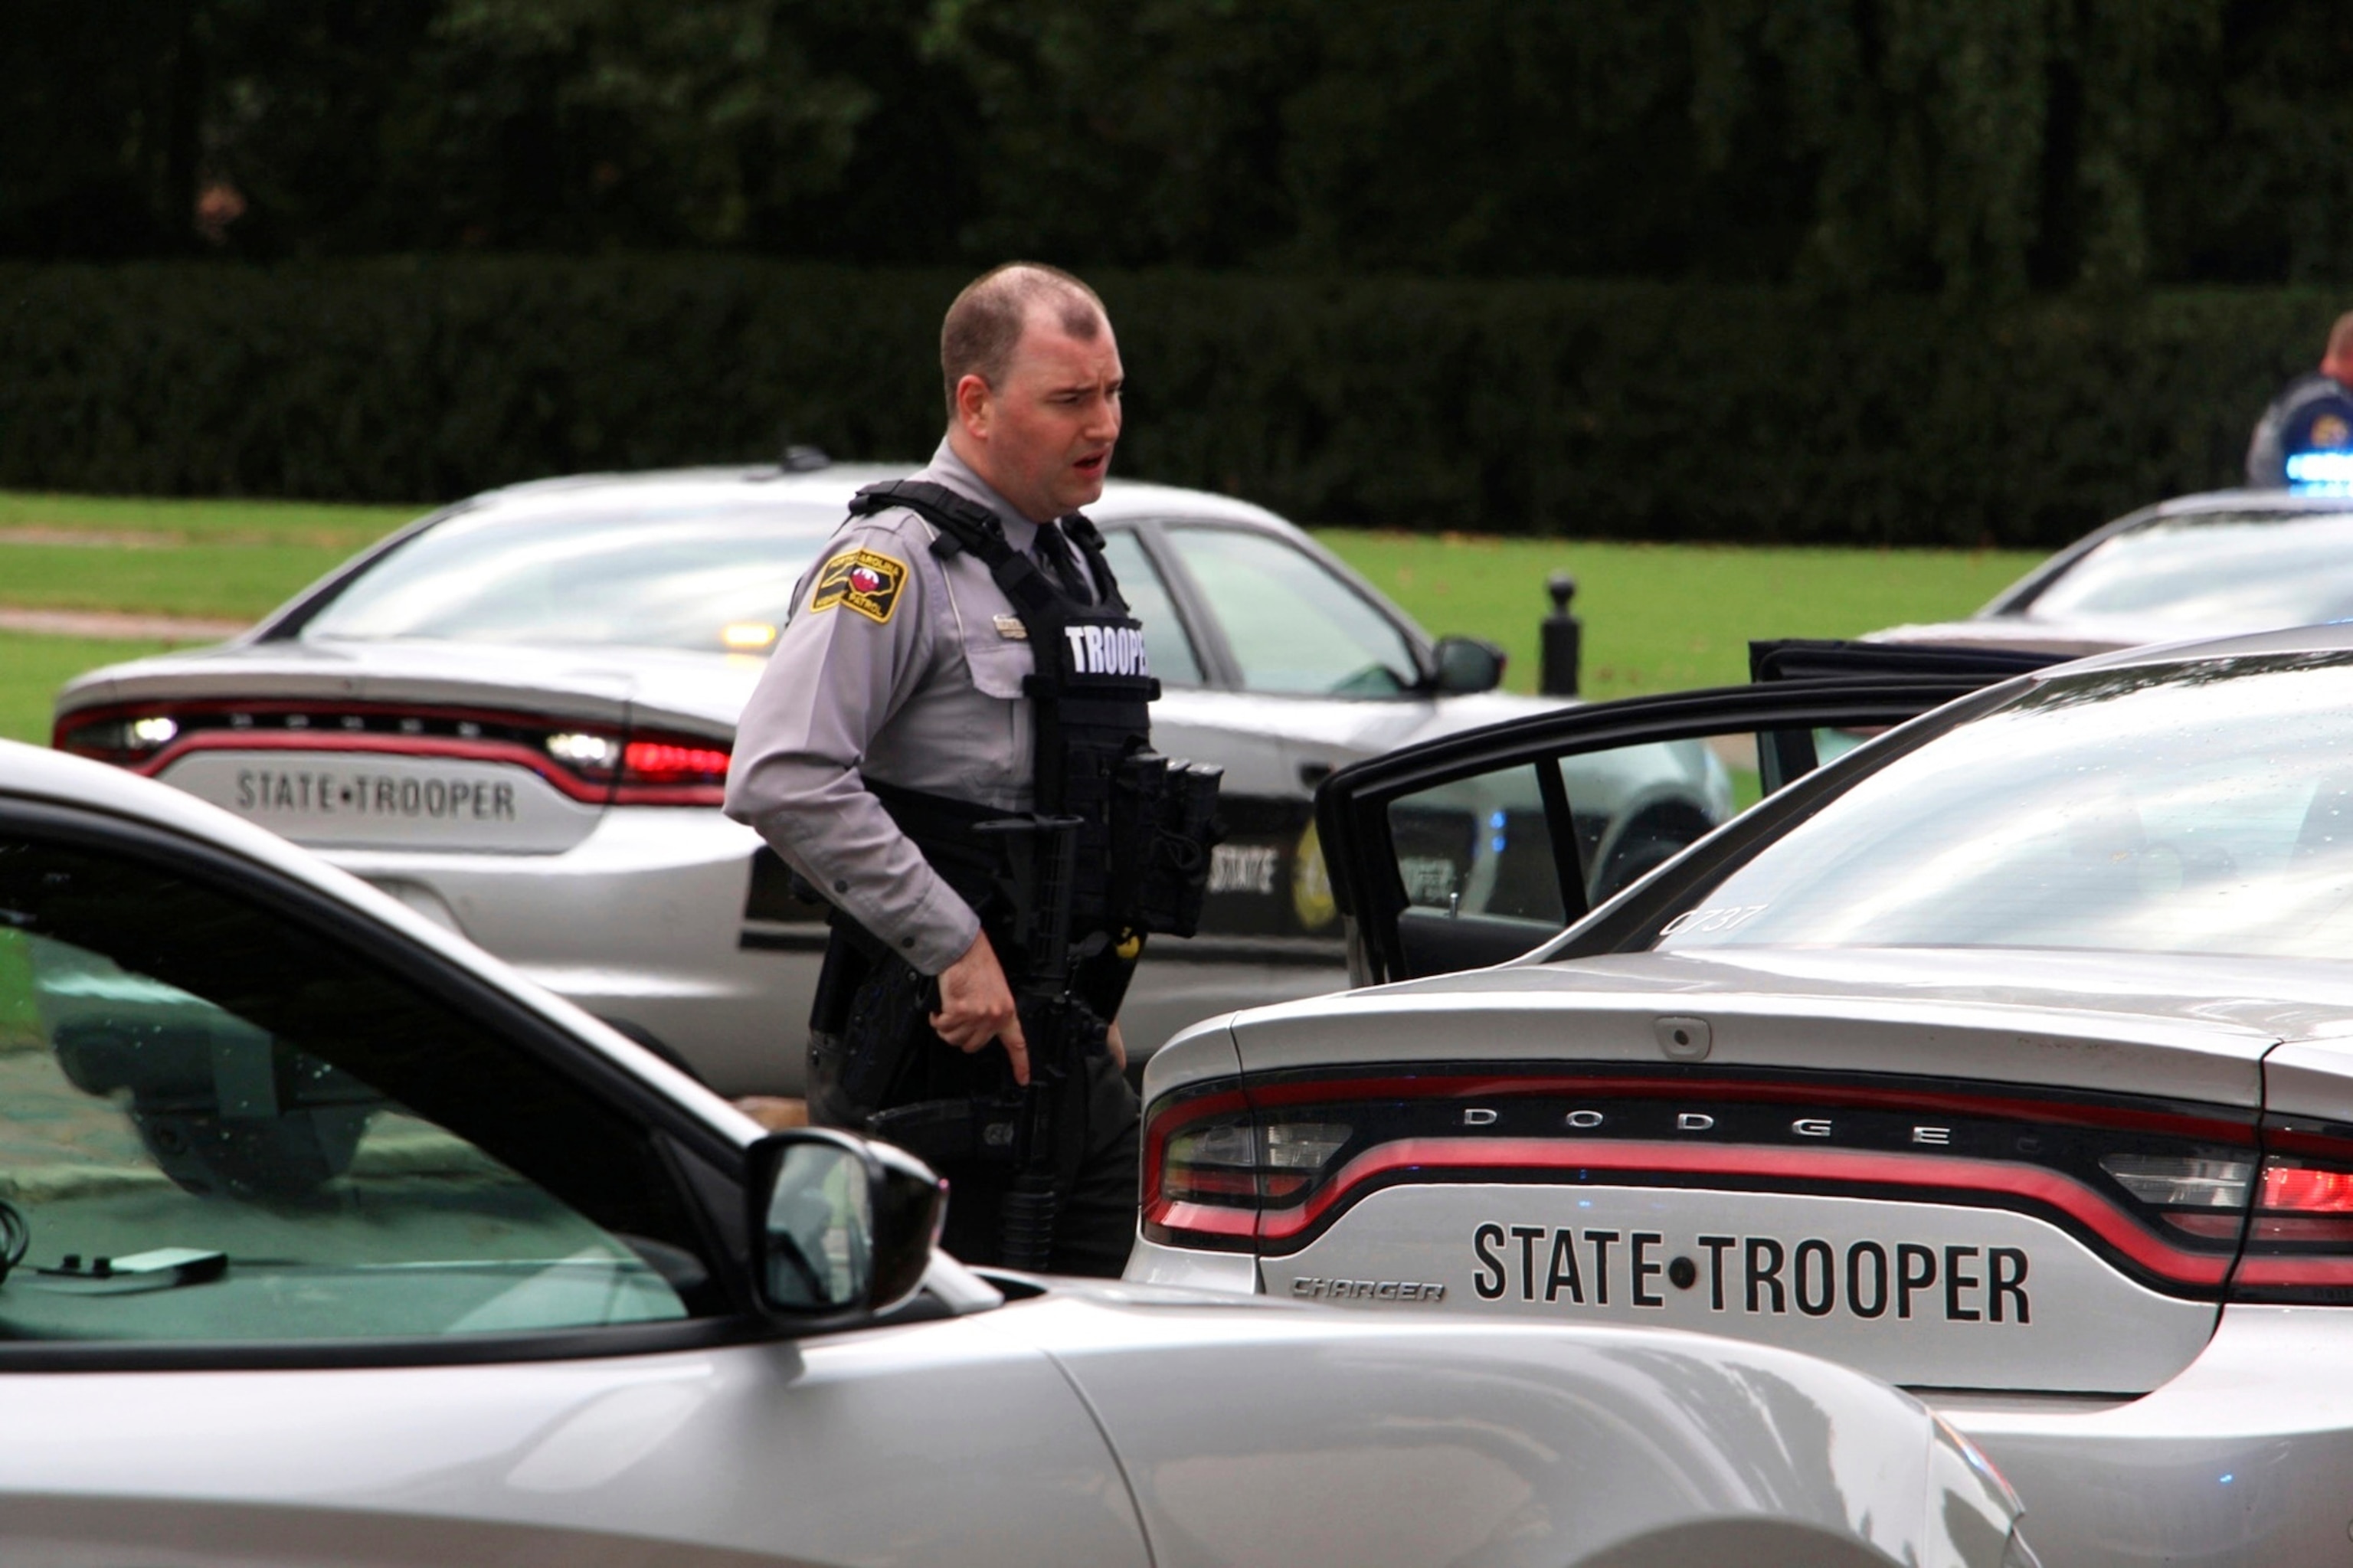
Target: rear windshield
713 579
2224 571
2197 808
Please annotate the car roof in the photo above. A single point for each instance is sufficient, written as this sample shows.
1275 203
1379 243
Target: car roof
2284 502
39 776
2331 637
823 491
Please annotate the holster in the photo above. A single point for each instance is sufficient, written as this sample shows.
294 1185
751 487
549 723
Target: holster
888 1026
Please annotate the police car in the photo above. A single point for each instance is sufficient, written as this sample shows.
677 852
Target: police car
515 716
324 1238
2007 1057
2212 564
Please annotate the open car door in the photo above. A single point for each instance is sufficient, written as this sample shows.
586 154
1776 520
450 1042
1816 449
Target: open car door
1476 848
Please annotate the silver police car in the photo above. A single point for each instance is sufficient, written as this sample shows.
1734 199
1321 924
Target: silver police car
326 1238
2008 1056
515 718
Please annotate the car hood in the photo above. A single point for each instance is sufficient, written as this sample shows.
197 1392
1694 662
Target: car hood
2189 1027
648 685
1449 1440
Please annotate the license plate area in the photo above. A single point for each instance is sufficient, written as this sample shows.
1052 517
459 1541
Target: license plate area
361 799
1924 1294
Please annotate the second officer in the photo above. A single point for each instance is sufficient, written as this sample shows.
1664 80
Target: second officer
951 745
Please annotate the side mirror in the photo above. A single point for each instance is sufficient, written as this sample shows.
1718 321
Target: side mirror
1467 665
841 1227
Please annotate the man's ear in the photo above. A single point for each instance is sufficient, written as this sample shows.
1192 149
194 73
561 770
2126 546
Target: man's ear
973 401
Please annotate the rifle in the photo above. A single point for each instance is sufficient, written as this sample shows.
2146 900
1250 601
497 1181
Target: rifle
1048 1123
1039 1130
1163 821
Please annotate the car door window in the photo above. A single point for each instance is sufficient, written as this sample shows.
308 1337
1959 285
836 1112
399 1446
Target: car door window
1433 851
217 1123
1485 847
1492 862
1295 627
1164 641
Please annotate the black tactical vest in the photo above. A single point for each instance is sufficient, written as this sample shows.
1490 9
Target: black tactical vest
1091 697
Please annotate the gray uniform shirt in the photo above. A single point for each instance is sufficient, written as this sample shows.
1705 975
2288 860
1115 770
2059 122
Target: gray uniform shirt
900 665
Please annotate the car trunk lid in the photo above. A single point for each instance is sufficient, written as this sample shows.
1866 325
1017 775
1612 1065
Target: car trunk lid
417 745
2026 1171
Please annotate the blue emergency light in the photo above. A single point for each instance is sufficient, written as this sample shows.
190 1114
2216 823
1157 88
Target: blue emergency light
2327 473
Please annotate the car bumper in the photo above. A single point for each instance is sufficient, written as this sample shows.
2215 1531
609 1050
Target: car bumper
2245 1457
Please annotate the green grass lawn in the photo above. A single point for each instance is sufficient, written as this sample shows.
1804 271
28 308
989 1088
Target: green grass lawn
234 521
1657 617
1663 618
227 559
33 668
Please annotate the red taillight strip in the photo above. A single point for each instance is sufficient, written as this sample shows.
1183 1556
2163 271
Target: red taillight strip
1458 1156
1165 1124
511 753
1885 1096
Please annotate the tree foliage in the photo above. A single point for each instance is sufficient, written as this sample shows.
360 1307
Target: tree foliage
1581 408
1975 149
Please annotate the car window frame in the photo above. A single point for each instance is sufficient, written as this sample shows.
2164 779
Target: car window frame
1194 622
1198 606
1352 805
706 1167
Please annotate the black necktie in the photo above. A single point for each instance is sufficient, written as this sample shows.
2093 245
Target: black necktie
1053 553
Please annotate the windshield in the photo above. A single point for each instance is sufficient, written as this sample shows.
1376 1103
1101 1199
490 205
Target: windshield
717 579
2221 571
2197 807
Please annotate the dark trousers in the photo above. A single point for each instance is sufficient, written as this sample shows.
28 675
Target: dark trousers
1096 1227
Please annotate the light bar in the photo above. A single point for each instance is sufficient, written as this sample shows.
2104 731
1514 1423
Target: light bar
2324 471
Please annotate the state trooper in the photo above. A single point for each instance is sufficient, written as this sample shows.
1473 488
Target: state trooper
2313 413
959 676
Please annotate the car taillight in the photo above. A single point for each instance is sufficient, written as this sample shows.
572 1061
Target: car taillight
2300 1203
666 770
2299 1244
2202 1195
2162 1190
663 762
123 739
1211 1169
588 763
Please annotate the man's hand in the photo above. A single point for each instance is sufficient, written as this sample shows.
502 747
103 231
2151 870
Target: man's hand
976 1007
1118 1047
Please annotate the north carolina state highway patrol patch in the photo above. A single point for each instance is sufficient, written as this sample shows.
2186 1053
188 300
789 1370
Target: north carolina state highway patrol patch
864 581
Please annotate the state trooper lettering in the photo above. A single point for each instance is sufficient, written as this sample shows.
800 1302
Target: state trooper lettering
1753 1276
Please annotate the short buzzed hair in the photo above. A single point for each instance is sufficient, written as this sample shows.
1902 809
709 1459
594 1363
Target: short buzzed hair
984 325
2340 338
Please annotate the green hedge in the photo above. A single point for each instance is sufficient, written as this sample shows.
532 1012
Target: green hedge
1592 409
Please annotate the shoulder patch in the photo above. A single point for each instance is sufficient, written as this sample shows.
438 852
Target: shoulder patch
861 579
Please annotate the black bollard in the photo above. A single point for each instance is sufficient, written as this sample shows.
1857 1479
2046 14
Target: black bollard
1563 636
